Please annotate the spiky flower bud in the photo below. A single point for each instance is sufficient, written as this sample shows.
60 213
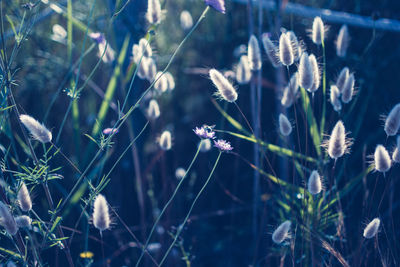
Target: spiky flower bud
254 54
382 160
154 13
165 140
23 221
305 72
153 111
372 228
285 50
342 41
7 220
392 122
314 184
335 98
186 20
243 71
342 78
348 89
225 88
24 199
37 130
271 50
101 214
337 141
316 73
282 232
284 125
318 31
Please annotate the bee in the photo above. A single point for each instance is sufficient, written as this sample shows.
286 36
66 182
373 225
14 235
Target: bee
208 128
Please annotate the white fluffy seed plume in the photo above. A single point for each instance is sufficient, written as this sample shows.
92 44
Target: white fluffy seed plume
285 50
24 199
342 78
101 214
170 80
161 84
372 228
243 71
316 74
165 141
136 53
7 220
382 160
305 72
318 31
254 54
342 41
180 173
145 47
225 88
154 13
143 67
153 111
290 92
392 122
335 98
271 50
151 70
295 45
314 184
396 154
282 232
23 221
337 141
36 129
186 20
285 127
348 89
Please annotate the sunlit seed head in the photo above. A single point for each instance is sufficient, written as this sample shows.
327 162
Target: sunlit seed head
254 54
342 78
136 53
295 45
161 84
24 198
243 71
396 154
36 129
143 67
316 73
314 184
382 160
186 20
335 98
342 41
7 220
101 215
145 47
170 80
180 173
372 228
305 72
165 140
348 89
318 31
154 13
271 50
205 145
290 92
282 232
153 111
392 122
151 70
224 87
23 221
285 50
337 142
105 52
285 127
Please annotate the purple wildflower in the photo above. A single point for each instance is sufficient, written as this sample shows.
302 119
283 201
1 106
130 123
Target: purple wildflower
223 145
97 37
204 132
108 131
218 5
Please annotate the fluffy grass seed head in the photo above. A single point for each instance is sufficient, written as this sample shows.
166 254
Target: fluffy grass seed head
154 12
392 122
318 31
348 89
170 80
305 72
143 67
145 47
161 84
225 88
342 41
254 54
316 73
180 173
151 70
136 53
7 220
186 20
285 127
290 93
335 98
165 140
297 50
243 70
24 199
153 111
372 228
337 144
101 215
286 55
271 50
314 184
396 154
36 129
282 232
23 221
342 78
382 160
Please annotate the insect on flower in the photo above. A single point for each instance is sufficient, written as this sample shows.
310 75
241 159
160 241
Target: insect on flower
204 132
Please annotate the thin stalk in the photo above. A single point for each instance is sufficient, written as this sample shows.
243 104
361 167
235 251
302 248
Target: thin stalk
323 91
